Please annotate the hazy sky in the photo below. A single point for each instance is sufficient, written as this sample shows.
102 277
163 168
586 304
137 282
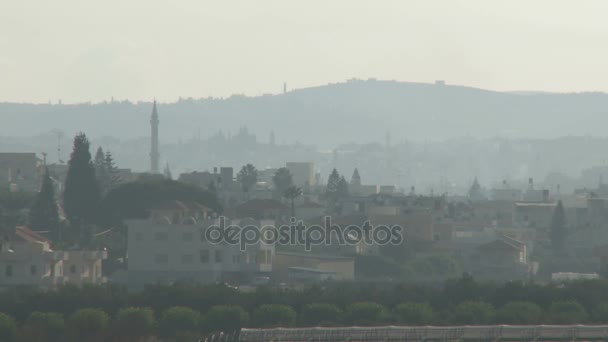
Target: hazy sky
80 50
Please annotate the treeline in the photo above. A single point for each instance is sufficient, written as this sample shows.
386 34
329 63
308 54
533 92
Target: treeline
111 312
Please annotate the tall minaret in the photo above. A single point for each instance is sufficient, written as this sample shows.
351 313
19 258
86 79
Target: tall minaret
154 155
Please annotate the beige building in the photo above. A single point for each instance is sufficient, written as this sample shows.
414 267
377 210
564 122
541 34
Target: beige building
29 260
19 171
303 173
535 215
171 246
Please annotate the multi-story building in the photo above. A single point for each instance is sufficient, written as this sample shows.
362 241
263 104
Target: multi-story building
27 259
19 171
303 173
171 246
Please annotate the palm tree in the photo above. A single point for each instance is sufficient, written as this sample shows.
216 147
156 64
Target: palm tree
291 194
247 177
282 180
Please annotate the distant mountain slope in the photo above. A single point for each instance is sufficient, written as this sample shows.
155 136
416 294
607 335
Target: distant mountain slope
336 113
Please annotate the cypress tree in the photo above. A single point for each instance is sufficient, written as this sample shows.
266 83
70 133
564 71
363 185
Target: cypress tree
332 192
559 231
43 214
112 170
342 188
101 171
81 195
282 180
333 184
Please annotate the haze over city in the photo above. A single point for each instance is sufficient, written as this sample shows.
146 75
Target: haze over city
328 171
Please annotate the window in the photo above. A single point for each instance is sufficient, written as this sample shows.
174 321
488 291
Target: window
218 256
187 258
161 236
33 269
187 236
8 271
73 269
139 236
204 256
260 257
176 218
161 258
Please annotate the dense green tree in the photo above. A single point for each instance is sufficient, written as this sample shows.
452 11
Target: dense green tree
519 313
559 230
88 325
167 172
567 312
225 318
101 174
320 314
44 214
247 177
81 195
133 324
106 171
473 312
8 328
366 314
292 193
132 200
414 314
14 207
43 327
179 322
282 180
435 265
212 188
342 187
112 169
377 266
464 289
600 313
274 315
333 184
333 191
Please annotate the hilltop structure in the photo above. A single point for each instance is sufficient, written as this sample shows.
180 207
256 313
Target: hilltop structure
154 154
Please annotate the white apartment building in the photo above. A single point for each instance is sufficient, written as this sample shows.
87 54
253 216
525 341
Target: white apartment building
171 246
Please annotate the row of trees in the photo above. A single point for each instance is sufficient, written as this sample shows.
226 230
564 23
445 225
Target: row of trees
337 186
179 322
282 180
461 301
129 324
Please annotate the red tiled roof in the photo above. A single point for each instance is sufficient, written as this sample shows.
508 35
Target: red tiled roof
29 235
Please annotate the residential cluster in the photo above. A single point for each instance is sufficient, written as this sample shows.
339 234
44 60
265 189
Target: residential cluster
89 221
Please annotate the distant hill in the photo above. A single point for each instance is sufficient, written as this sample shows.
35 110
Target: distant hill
336 113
